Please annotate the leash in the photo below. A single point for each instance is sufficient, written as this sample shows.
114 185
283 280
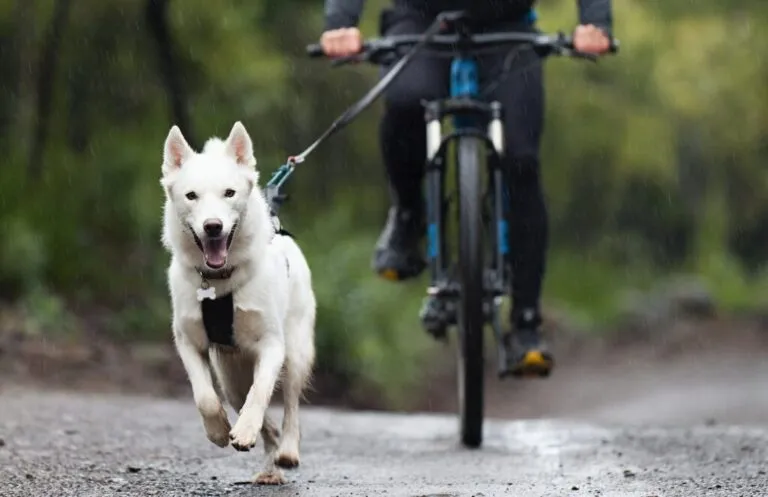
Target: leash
279 177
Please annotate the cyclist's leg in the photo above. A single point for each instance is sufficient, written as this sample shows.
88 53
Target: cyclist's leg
402 137
522 96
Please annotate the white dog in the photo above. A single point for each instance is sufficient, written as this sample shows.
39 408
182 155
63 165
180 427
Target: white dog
255 284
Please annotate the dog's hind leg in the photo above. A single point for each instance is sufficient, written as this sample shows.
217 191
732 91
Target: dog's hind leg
270 474
300 355
234 372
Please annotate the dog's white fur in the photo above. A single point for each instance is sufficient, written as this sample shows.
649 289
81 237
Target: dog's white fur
272 294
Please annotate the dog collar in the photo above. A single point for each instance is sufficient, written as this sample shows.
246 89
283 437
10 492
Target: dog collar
215 274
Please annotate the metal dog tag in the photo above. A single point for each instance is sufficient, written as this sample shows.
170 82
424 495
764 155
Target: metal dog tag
206 292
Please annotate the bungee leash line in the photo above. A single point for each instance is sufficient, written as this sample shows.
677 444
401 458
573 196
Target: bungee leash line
279 177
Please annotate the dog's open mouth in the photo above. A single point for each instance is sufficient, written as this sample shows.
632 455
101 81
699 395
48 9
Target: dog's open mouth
215 250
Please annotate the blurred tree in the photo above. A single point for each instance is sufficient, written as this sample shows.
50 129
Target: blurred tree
156 13
46 80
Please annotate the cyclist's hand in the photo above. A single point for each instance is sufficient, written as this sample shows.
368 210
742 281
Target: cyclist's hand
341 42
590 39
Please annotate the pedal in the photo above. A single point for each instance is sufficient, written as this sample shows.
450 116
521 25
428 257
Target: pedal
436 316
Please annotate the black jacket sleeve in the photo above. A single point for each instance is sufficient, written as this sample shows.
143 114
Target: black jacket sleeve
342 13
597 12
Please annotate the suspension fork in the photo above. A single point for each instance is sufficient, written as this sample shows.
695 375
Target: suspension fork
500 196
434 184
500 278
434 194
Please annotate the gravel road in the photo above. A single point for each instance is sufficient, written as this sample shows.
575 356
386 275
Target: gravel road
74 444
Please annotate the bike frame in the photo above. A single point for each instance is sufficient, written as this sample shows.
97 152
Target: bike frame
469 115
482 122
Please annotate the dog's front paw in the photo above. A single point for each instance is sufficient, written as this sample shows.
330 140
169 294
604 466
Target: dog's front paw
244 435
217 426
272 477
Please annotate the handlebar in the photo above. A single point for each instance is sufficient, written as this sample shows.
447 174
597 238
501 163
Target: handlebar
384 50
381 50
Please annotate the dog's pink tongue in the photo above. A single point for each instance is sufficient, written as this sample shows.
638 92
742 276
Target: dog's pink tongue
215 252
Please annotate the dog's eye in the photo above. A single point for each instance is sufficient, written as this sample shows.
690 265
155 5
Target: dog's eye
229 193
191 196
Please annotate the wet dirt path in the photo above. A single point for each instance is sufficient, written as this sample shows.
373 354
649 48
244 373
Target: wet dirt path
72 444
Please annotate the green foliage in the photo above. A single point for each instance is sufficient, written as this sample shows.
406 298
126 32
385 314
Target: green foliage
653 164
367 330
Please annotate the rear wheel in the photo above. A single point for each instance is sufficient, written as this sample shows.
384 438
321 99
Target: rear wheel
471 319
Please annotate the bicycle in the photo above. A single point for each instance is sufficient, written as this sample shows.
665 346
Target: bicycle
471 287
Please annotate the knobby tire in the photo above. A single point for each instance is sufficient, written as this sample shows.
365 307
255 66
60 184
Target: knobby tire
471 319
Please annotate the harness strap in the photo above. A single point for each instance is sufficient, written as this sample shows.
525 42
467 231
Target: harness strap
219 320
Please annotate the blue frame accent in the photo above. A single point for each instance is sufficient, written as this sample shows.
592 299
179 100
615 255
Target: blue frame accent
465 83
433 247
464 78
503 228
531 17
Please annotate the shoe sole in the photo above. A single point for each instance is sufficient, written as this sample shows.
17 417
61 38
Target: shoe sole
390 274
394 275
533 365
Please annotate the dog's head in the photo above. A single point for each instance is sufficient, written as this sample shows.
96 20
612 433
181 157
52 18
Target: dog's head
209 191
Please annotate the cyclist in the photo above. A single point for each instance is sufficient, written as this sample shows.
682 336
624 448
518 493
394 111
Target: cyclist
402 138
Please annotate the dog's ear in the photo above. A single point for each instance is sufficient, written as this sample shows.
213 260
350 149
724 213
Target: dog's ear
240 146
176 151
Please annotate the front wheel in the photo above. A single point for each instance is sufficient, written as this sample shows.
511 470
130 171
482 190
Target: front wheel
471 318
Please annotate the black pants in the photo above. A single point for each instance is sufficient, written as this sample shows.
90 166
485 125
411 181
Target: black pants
403 146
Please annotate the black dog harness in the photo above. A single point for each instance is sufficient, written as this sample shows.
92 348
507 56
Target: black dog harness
219 312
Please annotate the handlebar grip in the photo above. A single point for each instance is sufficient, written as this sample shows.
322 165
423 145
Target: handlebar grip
568 42
583 55
315 50
340 61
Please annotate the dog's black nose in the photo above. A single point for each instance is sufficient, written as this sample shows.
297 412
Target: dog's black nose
212 227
